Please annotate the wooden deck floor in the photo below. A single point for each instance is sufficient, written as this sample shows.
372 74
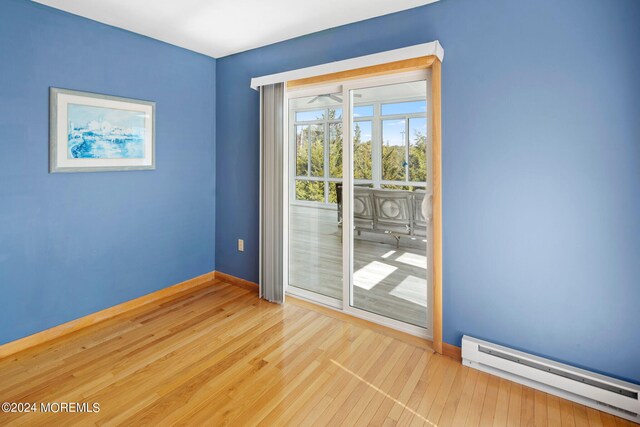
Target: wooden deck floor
220 356
388 280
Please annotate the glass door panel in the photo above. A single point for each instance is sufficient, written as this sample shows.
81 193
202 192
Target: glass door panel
390 161
315 185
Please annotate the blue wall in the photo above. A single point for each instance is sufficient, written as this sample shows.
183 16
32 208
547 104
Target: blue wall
541 167
73 244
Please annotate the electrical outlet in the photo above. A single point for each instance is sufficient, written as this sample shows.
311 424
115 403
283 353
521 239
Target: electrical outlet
240 245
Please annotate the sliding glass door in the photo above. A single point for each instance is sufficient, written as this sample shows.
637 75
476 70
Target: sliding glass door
315 174
359 199
388 242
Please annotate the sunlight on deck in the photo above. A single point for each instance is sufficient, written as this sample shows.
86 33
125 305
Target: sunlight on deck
371 274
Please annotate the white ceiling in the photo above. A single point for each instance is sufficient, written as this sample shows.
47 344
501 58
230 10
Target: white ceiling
222 27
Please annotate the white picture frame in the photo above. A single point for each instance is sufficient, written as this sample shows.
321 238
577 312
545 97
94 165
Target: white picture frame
92 132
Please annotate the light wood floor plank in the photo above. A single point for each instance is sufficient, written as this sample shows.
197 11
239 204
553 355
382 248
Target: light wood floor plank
453 398
400 403
490 401
241 395
361 396
376 401
515 405
440 401
540 411
527 416
320 400
479 394
608 420
393 395
594 418
553 411
566 413
218 355
580 415
421 400
502 404
465 399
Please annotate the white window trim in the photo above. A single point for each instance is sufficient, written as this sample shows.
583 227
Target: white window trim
425 49
376 150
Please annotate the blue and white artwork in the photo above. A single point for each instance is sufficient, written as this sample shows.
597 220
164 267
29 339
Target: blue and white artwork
91 132
105 133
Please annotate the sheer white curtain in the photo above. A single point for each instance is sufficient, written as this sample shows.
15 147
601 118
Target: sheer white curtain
271 192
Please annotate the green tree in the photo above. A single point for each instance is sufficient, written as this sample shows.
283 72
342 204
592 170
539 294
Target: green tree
361 155
316 139
310 190
418 158
310 152
302 150
310 141
335 150
393 162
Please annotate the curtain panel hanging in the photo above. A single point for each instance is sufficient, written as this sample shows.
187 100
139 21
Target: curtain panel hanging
271 192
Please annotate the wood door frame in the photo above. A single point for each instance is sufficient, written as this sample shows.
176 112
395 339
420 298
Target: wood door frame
436 150
433 63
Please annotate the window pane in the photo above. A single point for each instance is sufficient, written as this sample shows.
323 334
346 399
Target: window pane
362 150
333 192
305 116
418 149
302 150
312 191
316 139
379 282
393 150
362 111
335 150
315 247
404 108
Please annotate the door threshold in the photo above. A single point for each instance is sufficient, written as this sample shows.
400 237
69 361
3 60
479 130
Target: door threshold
416 338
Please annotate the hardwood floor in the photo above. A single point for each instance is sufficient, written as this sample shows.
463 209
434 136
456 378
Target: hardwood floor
220 356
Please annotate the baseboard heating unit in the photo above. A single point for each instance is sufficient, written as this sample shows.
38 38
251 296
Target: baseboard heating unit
605 394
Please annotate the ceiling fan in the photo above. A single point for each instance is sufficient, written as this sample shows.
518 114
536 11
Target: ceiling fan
332 96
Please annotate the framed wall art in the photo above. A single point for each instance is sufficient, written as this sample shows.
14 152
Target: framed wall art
93 133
